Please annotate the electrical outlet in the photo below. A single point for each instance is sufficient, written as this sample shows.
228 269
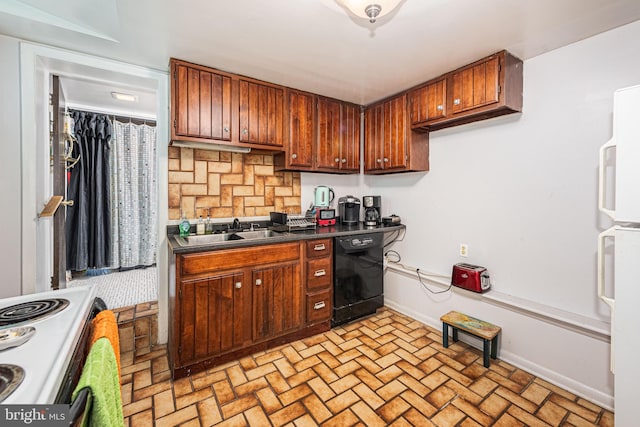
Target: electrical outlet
464 250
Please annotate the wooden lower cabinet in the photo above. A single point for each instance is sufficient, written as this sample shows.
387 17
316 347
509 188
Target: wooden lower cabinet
277 300
215 315
230 303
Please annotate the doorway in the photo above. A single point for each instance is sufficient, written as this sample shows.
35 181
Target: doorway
37 64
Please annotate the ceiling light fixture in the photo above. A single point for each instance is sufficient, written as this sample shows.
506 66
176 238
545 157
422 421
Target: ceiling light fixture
124 97
370 9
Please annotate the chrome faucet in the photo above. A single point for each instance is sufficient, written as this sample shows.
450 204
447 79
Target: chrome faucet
236 224
254 226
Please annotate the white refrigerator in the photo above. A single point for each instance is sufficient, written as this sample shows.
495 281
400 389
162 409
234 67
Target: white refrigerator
623 297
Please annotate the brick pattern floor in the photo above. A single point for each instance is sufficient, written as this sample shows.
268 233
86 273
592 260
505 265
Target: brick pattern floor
387 369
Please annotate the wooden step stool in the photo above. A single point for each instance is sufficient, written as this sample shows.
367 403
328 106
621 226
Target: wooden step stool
476 327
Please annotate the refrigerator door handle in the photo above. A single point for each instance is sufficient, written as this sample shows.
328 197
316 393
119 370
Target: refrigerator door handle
601 293
601 179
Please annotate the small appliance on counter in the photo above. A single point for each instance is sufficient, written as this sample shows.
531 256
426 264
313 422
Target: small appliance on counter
325 217
349 210
391 220
471 277
322 196
372 210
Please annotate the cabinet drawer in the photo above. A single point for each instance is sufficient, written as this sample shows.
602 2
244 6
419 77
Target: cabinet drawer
318 273
319 307
319 248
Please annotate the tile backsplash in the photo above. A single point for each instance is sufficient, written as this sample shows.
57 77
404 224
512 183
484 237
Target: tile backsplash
228 185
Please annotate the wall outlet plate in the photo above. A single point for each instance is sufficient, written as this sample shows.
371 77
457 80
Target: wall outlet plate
464 250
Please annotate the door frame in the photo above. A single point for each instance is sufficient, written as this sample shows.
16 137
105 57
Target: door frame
35 69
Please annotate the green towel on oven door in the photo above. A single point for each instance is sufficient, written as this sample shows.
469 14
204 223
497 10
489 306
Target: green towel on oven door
100 375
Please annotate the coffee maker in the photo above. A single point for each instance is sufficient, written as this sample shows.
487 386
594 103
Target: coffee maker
349 209
372 210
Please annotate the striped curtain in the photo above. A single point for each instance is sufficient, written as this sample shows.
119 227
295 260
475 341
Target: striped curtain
134 195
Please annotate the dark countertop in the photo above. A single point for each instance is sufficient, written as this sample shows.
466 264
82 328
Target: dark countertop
317 233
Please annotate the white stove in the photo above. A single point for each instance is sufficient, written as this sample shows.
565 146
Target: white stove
46 355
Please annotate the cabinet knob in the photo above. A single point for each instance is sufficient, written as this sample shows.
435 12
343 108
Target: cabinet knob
319 247
337 159
319 305
386 160
226 129
258 282
344 160
294 156
440 108
320 273
378 160
245 131
456 101
238 285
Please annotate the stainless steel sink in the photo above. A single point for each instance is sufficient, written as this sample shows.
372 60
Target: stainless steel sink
212 239
260 234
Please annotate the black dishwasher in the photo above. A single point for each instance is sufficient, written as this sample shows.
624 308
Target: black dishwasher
358 271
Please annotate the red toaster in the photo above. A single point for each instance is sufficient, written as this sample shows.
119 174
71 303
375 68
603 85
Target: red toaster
471 277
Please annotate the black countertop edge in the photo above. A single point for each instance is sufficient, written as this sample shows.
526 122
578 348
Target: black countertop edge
283 237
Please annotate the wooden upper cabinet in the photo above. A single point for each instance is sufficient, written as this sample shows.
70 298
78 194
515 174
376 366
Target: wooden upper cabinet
390 145
301 130
328 153
395 133
201 103
476 86
261 113
428 102
373 138
350 134
487 88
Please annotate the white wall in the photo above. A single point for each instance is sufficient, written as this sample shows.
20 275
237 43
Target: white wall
521 192
10 217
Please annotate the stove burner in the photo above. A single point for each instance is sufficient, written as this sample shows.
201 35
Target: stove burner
31 310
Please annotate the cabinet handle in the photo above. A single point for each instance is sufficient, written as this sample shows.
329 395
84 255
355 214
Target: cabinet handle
440 108
456 101
245 131
337 159
378 160
258 282
238 285
294 156
386 160
319 305
344 160
319 247
320 273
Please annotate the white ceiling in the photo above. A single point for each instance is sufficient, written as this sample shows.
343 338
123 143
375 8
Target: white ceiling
314 45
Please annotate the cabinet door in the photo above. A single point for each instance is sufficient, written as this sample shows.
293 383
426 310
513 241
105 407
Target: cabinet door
476 85
215 316
301 129
328 145
277 300
428 102
395 133
350 132
261 109
373 137
202 103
